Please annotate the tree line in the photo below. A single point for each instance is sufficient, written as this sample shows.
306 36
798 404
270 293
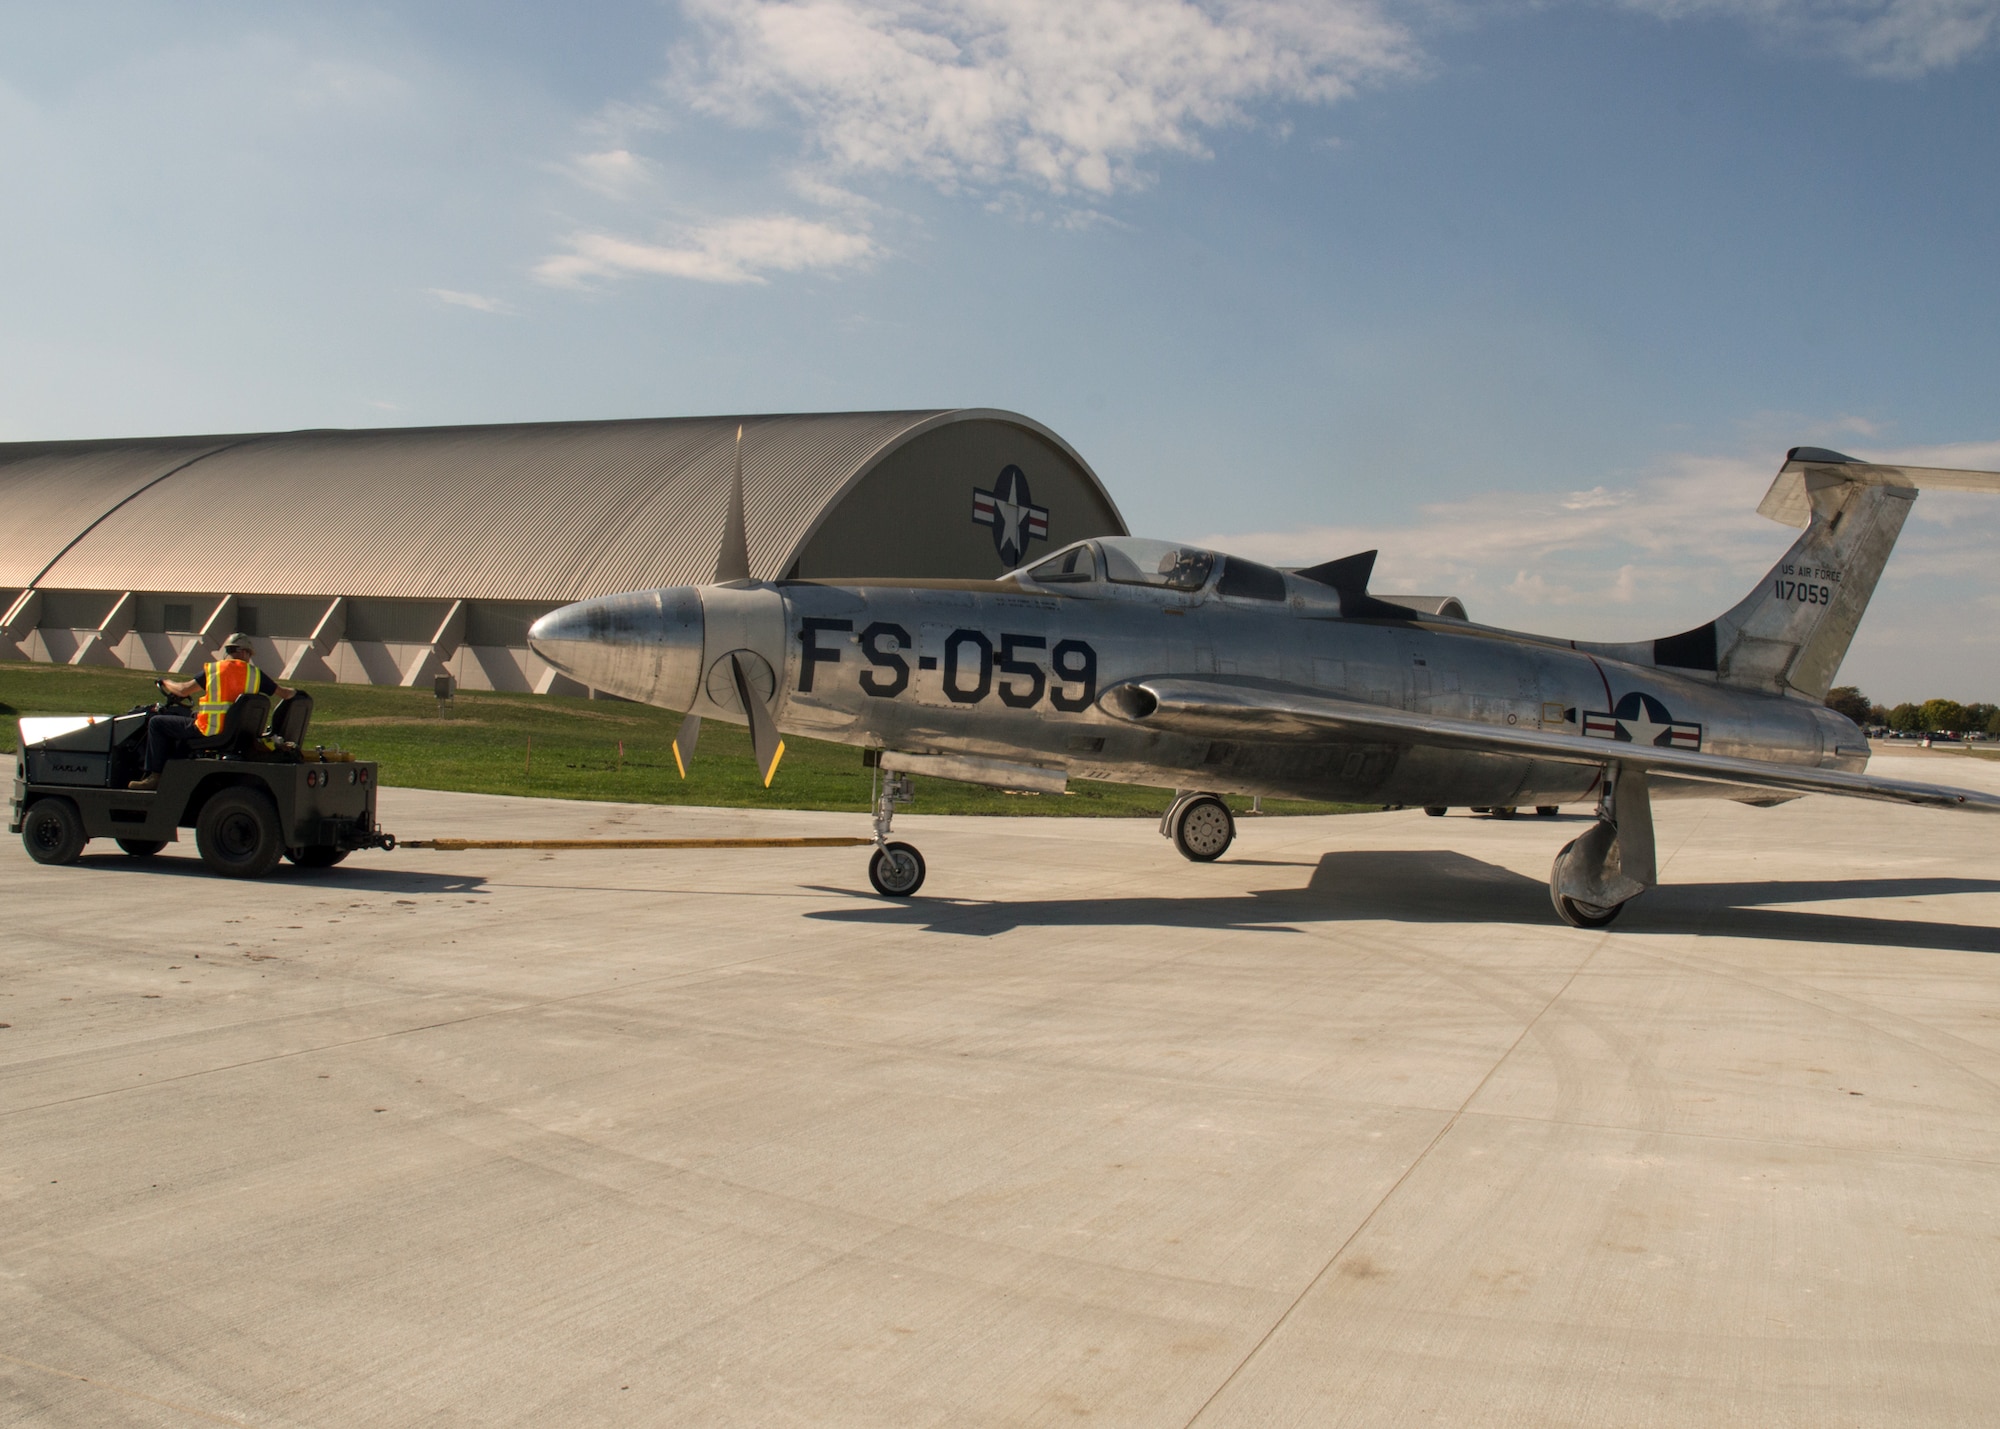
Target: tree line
1929 717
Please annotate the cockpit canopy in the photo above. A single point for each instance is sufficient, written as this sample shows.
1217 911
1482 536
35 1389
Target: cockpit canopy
1165 565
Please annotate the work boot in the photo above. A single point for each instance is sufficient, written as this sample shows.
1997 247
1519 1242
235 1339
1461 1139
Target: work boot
151 781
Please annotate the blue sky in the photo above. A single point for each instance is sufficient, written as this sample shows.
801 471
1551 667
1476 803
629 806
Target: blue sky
1532 296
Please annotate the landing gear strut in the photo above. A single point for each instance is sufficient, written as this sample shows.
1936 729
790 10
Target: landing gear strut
896 869
1595 876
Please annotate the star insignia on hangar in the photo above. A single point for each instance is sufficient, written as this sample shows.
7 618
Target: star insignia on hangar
1014 517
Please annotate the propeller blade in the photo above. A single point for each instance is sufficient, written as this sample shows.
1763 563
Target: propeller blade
733 562
684 741
763 732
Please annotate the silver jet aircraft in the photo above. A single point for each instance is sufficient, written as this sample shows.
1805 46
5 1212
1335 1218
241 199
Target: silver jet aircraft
1149 662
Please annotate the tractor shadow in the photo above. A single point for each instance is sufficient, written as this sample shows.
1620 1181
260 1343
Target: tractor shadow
1441 886
352 875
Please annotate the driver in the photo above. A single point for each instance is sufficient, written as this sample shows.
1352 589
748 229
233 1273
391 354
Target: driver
168 732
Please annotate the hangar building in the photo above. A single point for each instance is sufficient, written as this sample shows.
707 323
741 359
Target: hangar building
391 556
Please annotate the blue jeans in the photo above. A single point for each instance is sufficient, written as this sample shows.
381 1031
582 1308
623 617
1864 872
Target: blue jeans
166 736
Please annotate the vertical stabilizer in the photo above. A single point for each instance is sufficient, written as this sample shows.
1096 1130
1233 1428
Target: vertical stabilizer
1790 634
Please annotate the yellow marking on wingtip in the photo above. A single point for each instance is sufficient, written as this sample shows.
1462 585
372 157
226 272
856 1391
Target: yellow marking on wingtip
772 772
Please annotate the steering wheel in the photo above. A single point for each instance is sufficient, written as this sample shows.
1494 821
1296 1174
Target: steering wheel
168 699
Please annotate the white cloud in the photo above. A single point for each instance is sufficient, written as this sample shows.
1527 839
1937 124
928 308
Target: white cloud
1064 95
477 302
1644 558
615 173
1892 38
737 250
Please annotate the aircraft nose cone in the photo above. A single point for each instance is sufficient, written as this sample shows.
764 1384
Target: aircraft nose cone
644 646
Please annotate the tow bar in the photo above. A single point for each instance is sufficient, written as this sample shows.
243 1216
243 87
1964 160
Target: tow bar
459 845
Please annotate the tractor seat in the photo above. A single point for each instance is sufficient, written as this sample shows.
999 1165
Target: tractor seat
289 720
242 722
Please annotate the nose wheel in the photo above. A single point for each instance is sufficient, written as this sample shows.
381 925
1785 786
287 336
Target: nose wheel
896 870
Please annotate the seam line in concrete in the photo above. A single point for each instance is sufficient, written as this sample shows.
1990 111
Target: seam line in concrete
128 1393
1408 1171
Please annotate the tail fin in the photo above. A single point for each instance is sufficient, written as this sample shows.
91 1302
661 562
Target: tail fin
1790 634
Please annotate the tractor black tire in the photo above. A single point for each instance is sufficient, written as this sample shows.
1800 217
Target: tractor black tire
316 856
52 831
142 848
237 834
1547 811
1204 829
896 870
1436 811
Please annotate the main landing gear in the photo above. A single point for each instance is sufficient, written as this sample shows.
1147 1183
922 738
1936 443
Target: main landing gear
896 869
1200 825
1595 876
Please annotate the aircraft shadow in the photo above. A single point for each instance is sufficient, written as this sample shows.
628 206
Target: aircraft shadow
357 877
1441 886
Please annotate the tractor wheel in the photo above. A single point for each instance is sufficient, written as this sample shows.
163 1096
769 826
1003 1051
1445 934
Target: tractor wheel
53 831
142 848
237 834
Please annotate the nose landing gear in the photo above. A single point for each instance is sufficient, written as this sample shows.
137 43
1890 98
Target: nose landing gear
896 869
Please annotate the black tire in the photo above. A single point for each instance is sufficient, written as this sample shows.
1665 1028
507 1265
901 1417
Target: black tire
1575 911
1204 829
142 848
1505 811
1436 811
896 870
1547 811
52 831
1585 915
237 834
317 856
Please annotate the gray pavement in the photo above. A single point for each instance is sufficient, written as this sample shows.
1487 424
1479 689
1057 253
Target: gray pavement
1346 1129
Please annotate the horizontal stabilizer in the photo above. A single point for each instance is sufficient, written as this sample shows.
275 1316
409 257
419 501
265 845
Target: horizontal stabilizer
1790 498
1213 709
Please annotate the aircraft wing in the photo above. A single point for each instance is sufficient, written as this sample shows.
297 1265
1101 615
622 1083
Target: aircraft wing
1280 714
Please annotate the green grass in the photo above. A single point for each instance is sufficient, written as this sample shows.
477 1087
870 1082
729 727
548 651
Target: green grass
551 747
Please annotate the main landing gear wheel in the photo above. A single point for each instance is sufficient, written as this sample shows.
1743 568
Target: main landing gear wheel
1436 811
237 834
1574 911
52 831
896 870
142 848
1547 811
1204 829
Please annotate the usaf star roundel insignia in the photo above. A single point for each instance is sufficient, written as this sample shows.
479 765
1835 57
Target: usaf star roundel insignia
1015 519
1641 719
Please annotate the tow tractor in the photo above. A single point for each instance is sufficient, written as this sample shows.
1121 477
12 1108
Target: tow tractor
251 794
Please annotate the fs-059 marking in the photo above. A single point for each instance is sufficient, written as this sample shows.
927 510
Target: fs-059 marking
971 661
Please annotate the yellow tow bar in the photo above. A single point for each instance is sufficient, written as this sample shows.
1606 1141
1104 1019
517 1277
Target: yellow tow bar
459 845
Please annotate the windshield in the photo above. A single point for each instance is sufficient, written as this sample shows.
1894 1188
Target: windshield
1132 561
1075 564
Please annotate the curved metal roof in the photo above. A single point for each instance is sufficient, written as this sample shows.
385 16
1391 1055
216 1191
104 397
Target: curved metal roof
553 512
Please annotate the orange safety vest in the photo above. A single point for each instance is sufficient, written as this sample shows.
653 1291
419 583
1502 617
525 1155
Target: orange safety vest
222 682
